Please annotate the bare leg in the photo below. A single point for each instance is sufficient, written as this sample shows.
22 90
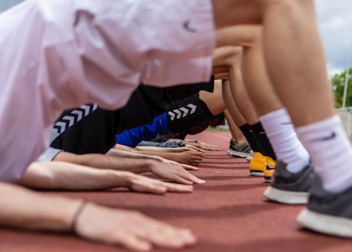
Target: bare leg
235 131
231 106
293 22
213 100
299 78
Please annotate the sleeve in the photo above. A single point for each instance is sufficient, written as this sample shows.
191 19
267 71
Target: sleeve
126 42
48 155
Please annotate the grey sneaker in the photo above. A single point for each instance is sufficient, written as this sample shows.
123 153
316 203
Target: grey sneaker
250 156
239 150
290 188
327 212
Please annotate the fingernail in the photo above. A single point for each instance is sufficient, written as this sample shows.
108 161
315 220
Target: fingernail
189 236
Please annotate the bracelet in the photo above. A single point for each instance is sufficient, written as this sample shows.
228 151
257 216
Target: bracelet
77 214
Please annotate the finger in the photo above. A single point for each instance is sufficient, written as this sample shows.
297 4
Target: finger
197 158
193 178
198 154
132 242
147 187
183 180
178 188
189 167
164 235
198 149
184 149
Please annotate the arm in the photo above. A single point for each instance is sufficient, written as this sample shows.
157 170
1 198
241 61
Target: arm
65 176
162 168
186 156
22 208
201 145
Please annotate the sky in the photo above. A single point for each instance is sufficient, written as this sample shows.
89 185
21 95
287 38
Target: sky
335 25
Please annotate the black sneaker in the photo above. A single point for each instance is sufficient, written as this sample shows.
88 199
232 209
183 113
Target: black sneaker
290 188
328 213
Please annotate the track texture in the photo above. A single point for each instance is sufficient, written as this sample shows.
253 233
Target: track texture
228 213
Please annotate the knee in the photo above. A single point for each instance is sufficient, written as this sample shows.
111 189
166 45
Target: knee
288 7
233 51
223 56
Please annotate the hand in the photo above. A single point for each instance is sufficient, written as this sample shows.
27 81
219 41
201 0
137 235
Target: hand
185 166
139 183
203 146
195 148
174 172
130 229
190 157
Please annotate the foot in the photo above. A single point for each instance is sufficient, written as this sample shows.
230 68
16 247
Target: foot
290 188
328 213
269 169
239 150
257 164
250 156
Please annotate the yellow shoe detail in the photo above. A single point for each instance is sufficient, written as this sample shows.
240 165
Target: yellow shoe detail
269 169
258 164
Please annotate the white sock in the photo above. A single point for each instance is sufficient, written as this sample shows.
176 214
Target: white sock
331 152
284 140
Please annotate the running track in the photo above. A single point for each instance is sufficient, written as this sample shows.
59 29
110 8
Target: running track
228 213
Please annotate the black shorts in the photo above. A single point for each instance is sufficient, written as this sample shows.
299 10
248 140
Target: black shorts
148 102
186 114
89 129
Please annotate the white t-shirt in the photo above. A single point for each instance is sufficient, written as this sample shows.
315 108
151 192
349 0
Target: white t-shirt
58 54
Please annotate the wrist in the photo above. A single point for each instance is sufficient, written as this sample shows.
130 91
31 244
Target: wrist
150 164
76 216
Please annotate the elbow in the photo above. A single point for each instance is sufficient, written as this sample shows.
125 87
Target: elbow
38 176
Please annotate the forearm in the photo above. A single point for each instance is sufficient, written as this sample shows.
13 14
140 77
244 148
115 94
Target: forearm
169 155
22 208
135 155
124 148
115 160
66 176
154 150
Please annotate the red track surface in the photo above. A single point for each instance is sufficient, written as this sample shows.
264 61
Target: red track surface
228 213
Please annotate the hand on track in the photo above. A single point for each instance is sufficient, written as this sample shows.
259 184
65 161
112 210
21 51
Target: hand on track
140 183
174 172
130 229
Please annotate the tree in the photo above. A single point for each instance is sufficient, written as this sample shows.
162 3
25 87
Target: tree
338 87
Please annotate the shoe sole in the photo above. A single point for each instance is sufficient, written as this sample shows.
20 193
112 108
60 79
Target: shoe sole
326 224
256 173
286 197
267 179
238 154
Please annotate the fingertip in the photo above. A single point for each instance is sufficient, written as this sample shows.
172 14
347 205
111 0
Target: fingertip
145 246
161 190
189 237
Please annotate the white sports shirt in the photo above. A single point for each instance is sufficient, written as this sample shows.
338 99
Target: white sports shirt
57 54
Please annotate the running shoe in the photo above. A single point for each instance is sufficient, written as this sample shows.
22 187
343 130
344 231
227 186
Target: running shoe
269 169
239 150
250 157
327 212
290 188
257 164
